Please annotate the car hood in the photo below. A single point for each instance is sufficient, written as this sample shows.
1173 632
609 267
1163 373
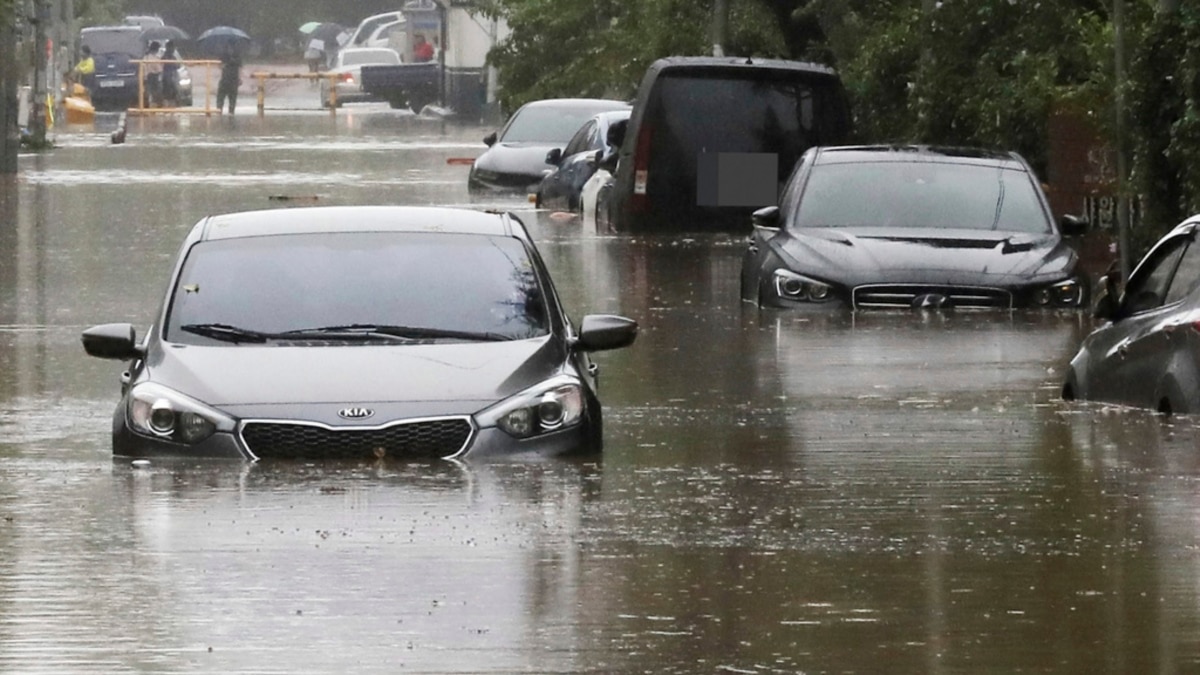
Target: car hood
527 159
912 255
256 375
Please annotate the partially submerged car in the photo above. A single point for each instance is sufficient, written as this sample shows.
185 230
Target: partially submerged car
574 165
899 227
1147 354
515 160
114 50
361 333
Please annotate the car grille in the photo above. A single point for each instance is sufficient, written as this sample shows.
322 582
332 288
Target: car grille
903 296
418 439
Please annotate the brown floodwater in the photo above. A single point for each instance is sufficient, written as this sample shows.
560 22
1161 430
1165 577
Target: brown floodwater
779 493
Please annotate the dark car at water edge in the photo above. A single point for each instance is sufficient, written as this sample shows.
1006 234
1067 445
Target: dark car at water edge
900 227
515 159
359 333
1146 354
114 50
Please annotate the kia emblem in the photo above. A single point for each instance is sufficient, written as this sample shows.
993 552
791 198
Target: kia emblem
355 413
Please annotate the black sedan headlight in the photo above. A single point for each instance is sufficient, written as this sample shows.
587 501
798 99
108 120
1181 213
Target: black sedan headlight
160 412
1066 293
550 406
792 286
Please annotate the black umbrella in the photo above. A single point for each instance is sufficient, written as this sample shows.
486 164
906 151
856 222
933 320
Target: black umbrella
217 38
327 33
164 33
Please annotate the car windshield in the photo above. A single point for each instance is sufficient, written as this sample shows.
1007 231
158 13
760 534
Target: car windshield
431 285
549 124
118 41
941 195
370 56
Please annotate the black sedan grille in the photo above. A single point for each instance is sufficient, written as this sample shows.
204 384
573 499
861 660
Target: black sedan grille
897 296
442 437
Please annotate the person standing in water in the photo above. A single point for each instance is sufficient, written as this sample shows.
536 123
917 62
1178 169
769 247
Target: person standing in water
231 78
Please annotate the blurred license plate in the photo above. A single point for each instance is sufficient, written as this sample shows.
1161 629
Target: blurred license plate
111 83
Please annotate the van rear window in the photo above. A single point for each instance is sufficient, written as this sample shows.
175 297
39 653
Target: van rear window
782 112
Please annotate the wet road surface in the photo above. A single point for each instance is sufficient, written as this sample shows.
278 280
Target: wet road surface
779 493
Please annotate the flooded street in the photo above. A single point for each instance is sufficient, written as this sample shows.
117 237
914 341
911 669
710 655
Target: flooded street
779 492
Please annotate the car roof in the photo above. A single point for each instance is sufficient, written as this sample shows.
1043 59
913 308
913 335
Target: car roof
119 27
861 154
334 219
575 103
735 62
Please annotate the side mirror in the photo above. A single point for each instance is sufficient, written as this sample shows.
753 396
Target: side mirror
1073 226
615 135
1108 301
490 139
554 156
767 216
112 341
595 158
598 332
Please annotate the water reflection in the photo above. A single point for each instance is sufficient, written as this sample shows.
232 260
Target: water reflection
779 492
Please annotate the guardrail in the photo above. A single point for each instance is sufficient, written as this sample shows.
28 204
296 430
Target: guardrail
208 108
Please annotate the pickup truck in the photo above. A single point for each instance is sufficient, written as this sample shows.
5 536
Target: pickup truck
409 84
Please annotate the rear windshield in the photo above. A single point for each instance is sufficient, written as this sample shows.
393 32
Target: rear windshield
750 111
121 41
921 195
550 124
470 283
374 56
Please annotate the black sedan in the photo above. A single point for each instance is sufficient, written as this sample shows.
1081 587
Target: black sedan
572 166
1147 355
911 227
359 332
515 160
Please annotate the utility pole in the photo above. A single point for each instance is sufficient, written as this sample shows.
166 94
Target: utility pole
37 106
10 139
720 26
1122 161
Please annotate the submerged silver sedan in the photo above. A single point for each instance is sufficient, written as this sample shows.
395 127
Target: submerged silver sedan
347 74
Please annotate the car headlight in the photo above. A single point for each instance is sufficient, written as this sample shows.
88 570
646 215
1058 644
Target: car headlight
159 412
792 286
554 404
1065 293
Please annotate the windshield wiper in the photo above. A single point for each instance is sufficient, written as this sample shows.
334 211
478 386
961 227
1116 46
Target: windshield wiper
395 332
225 332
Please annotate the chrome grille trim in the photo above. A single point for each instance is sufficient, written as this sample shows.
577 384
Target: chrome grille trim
901 296
466 420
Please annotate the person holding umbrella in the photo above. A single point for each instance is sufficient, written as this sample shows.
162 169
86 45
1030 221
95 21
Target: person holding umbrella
231 77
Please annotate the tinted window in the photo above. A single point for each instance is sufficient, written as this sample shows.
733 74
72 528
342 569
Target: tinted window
279 283
582 138
548 124
1147 288
1187 275
921 194
753 111
120 41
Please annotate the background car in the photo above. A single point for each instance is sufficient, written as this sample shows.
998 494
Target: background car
359 333
347 72
576 163
114 48
898 227
1147 355
515 160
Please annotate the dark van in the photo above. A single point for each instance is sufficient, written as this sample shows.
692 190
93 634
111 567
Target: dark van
711 139
114 48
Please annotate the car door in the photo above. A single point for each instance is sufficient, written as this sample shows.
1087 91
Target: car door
1131 358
